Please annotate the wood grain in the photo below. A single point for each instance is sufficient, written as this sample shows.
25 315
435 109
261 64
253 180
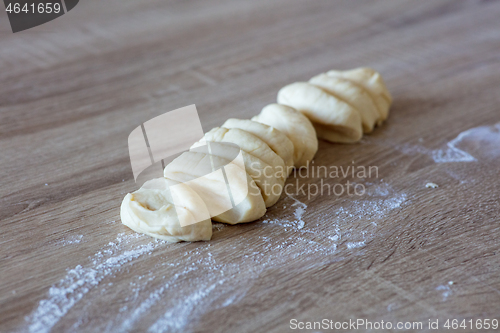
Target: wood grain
73 89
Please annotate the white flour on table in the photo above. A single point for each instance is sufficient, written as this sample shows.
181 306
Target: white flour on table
445 290
201 279
478 143
79 280
71 240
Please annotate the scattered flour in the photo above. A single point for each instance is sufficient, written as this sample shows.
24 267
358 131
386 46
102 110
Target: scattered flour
379 190
445 290
353 245
298 213
171 321
152 299
369 209
481 142
478 143
79 281
200 278
71 240
451 153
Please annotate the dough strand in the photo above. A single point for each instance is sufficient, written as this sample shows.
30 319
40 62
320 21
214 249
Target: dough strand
239 169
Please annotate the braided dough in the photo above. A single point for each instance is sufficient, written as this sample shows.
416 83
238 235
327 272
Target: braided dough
343 125
352 94
191 168
276 140
209 182
150 210
374 85
296 127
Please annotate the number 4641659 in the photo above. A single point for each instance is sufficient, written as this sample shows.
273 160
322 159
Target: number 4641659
477 324
39 8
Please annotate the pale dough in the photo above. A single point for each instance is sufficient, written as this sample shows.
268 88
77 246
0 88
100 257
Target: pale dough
372 81
257 170
297 127
150 210
262 164
238 170
191 166
250 144
333 119
275 139
352 94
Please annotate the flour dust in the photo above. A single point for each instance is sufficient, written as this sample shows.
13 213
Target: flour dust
176 291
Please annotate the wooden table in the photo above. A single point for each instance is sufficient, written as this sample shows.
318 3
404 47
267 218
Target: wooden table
73 89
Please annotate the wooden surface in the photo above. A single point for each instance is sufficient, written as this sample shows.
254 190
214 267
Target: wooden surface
73 89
